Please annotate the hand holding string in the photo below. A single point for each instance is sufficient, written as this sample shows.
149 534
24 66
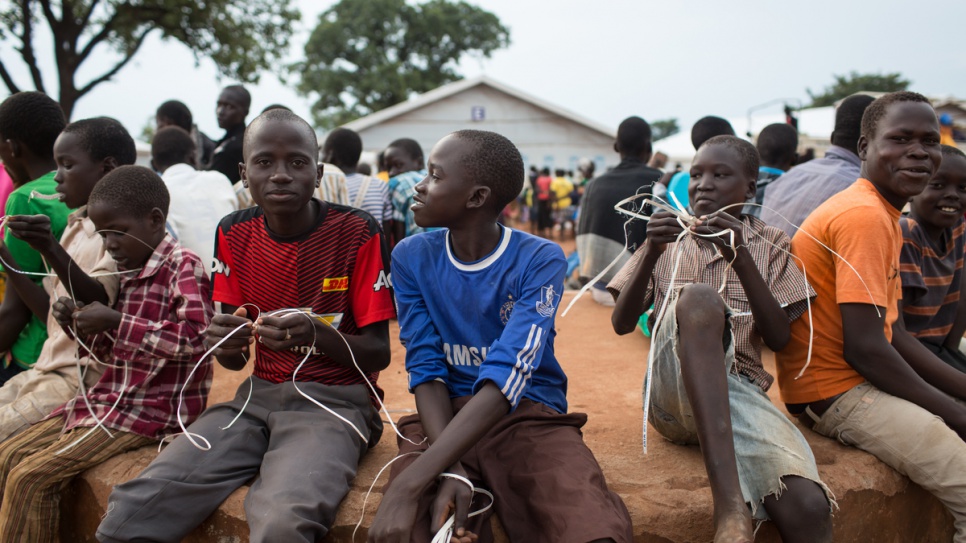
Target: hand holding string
225 328
281 333
35 230
95 318
711 227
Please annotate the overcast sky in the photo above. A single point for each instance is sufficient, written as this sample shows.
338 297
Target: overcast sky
609 59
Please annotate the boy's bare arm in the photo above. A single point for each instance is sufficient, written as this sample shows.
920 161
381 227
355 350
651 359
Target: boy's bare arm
924 362
662 229
397 512
33 297
35 230
14 315
868 352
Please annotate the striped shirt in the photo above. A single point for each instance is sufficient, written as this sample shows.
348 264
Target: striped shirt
701 262
339 270
375 200
165 308
931 277
401 193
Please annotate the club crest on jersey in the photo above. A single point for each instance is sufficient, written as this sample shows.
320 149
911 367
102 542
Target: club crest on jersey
335 284
506 310
548 301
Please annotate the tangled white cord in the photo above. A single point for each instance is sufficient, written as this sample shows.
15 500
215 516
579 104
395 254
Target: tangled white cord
685 220
312 318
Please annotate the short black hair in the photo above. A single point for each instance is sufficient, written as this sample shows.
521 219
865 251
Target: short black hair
848 121
103 137
172 145
345 146
279 115
275 106
634 136
949 150
878 108
411 147
177 112
777 144
496 163
135 190
745 150
240 92
709 127
34 119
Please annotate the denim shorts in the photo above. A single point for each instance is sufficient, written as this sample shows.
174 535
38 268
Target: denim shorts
768 445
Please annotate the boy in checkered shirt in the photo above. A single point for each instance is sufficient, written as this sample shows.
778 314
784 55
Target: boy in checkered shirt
709 383
151 341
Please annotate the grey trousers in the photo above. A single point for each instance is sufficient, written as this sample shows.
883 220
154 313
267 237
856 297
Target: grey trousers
302 460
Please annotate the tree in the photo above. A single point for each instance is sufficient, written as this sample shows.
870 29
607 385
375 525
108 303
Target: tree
366 55
243 37
847 85
663 128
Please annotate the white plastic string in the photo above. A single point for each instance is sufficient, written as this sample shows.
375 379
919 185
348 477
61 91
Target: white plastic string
365 500
685 220
445 532
312 318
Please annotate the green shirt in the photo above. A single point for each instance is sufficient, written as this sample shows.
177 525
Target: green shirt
31 339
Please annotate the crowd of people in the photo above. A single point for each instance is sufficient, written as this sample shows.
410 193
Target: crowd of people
124 284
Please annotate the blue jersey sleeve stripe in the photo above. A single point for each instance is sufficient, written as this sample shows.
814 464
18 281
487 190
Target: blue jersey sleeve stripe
523 368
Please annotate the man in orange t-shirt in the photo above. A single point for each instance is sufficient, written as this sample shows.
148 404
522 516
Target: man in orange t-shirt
869 383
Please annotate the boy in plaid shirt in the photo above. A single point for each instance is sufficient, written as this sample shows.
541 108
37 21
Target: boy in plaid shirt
155 338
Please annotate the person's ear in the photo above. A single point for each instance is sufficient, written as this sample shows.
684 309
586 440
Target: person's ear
478 197
752 189
318 174
157 219
243 174
617 148
110 163
863 147
15 150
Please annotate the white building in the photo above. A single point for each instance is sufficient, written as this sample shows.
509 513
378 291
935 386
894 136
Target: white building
546 135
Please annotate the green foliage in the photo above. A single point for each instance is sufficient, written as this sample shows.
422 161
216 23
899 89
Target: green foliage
366 55
242 37
663 128
847 85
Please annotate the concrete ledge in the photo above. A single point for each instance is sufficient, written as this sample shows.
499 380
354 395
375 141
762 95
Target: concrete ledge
666 492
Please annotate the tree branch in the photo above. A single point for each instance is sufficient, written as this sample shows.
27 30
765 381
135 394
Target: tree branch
11 86
117 67
27 50
89 14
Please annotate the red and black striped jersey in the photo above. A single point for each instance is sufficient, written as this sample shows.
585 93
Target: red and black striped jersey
339 269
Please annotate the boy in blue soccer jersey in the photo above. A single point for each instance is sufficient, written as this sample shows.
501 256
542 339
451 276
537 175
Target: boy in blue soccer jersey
476 312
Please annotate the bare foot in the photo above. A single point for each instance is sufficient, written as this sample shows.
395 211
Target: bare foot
734 528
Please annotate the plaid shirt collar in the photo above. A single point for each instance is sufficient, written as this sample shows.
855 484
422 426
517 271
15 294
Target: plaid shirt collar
158 257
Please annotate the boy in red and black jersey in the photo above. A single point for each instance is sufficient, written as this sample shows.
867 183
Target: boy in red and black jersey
290 252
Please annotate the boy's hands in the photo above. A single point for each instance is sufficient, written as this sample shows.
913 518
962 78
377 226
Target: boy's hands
87 320
395 516
663 228
283 333
34 230
453 497
715 223
95 318
221 325
63 310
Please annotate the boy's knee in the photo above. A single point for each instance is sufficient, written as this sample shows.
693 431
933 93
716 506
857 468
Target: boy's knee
699 302
282 523
807 499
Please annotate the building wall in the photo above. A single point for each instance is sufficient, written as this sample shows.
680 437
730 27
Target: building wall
544 138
